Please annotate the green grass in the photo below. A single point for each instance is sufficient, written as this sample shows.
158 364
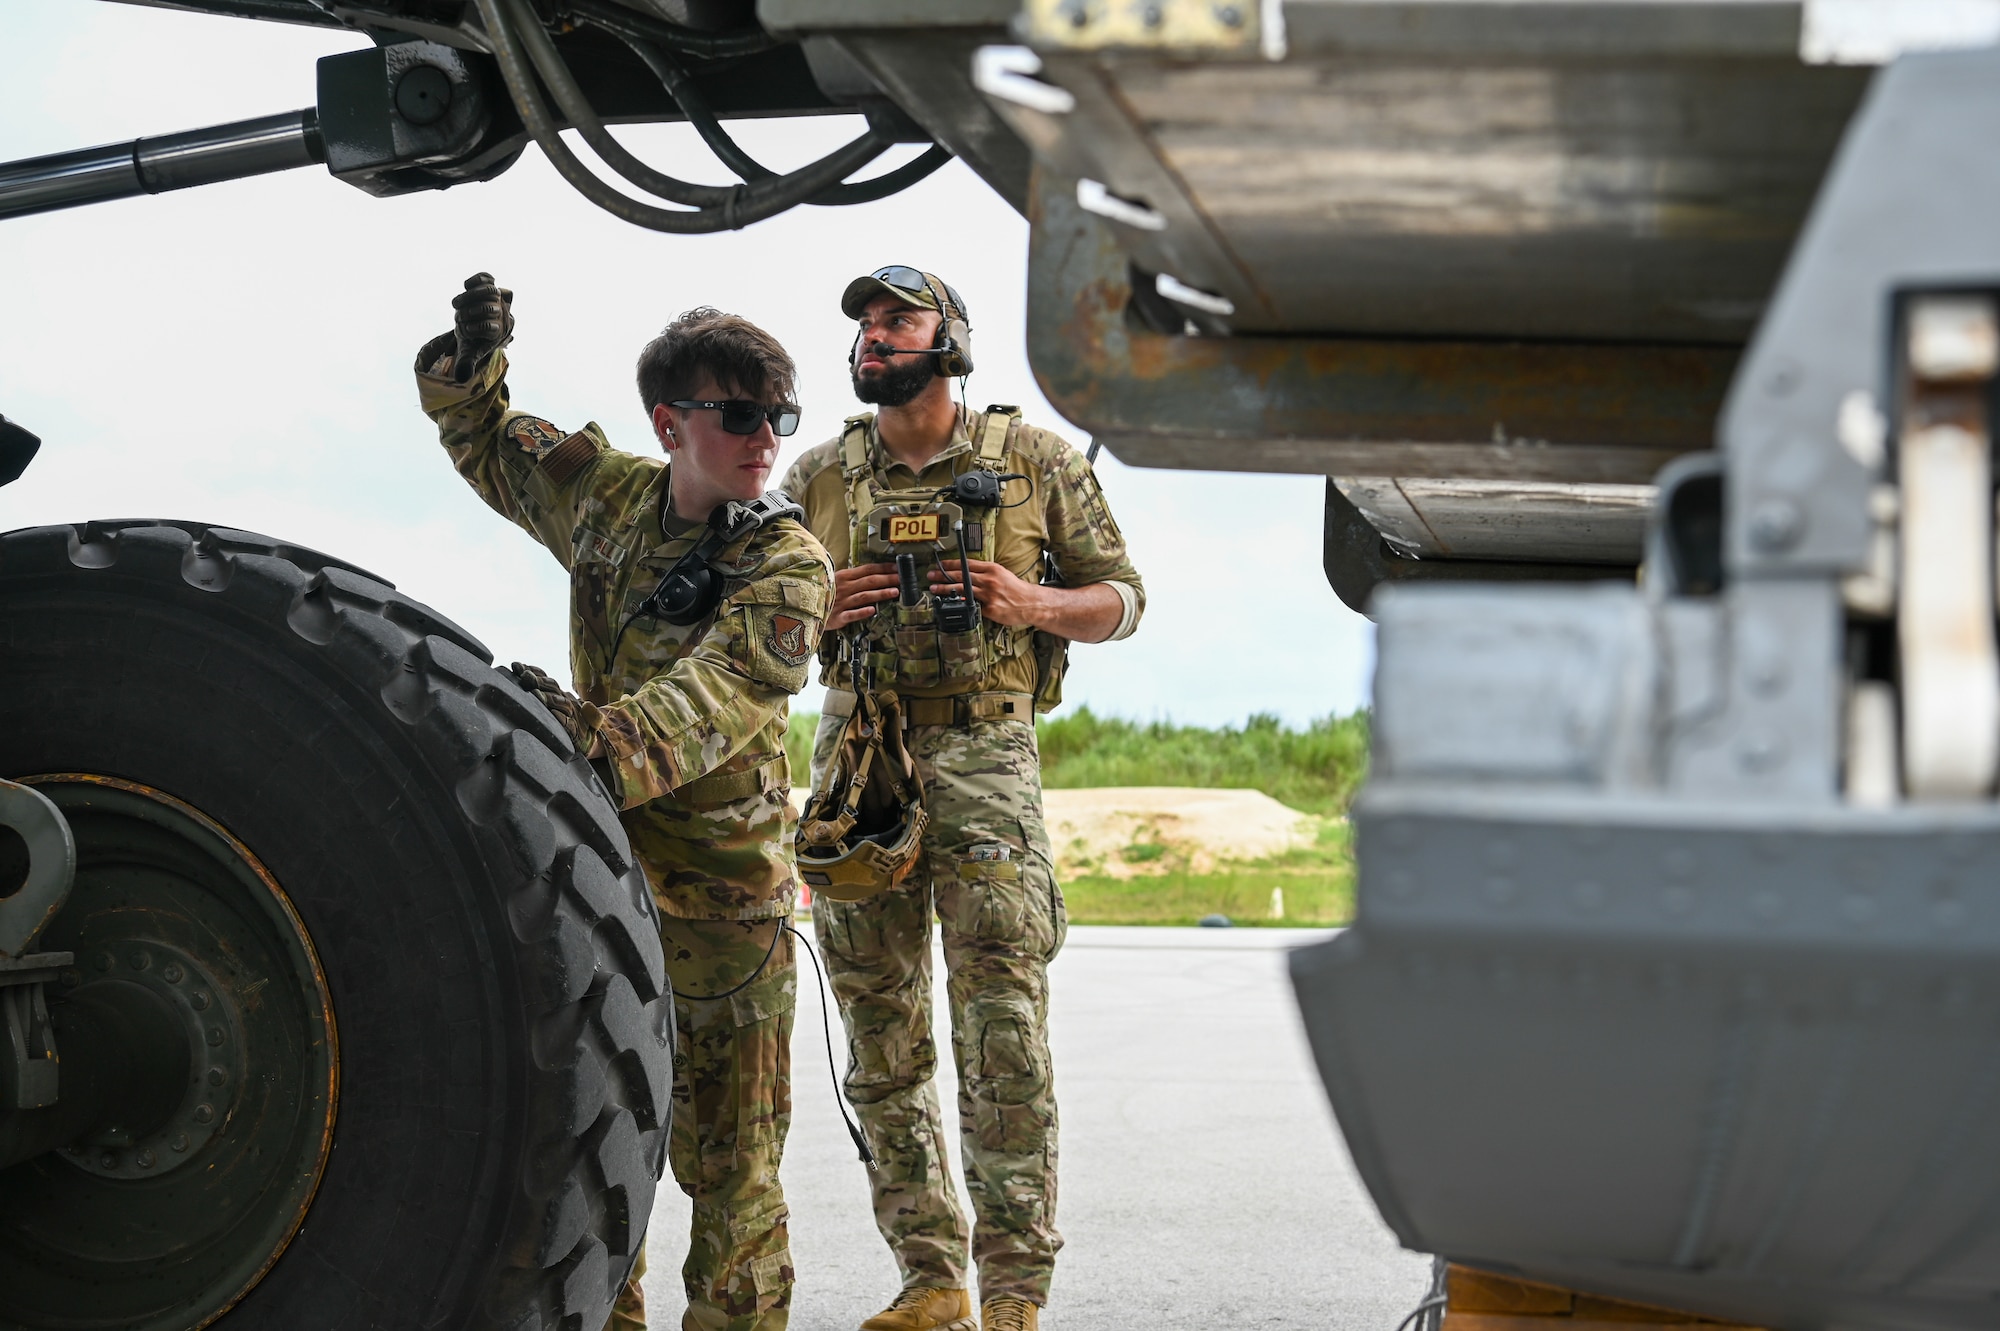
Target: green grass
799 746
1317 880
1314 770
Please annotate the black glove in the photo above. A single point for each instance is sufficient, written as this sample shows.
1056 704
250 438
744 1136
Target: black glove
577 717
484 323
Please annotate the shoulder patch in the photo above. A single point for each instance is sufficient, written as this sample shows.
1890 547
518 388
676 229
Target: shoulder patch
788 640
533 435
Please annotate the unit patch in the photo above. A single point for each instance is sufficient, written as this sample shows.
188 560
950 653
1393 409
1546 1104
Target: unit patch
534 435
788 640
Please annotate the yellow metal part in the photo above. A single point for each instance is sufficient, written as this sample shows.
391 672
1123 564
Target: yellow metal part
1481 1301
1211 27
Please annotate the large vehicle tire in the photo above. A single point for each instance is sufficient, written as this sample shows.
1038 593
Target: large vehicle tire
430 1044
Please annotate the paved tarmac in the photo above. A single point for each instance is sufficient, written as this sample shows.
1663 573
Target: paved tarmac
1204 1184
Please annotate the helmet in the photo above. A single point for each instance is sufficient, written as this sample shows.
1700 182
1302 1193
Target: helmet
863 826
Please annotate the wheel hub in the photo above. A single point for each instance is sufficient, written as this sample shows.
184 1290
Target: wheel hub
165 1210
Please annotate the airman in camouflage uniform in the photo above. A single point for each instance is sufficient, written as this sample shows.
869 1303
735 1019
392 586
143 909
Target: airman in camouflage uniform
687 724
985 872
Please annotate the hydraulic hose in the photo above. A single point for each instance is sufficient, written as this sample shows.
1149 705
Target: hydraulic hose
745 41
688 97
731 208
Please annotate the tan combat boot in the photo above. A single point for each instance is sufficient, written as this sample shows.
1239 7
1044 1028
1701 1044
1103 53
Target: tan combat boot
1009 1314
925 1309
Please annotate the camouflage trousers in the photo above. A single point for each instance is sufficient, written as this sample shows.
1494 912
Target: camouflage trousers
732 1107
1002 920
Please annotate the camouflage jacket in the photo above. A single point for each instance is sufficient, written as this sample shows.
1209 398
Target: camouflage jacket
694 717
1067 518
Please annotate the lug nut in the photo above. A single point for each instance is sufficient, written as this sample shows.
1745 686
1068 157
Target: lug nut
204 1113
217 1076
172 973
200 1000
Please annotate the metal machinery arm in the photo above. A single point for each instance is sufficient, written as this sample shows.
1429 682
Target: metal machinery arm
1694 881
427 114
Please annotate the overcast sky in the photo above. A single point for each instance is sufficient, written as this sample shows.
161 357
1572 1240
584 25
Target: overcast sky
240 354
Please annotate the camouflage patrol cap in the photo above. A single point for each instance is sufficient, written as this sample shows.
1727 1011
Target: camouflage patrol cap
910 285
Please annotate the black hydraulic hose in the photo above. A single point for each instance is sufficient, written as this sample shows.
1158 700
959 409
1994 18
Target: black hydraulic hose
685 94
889 182
709 45
562 86
740 205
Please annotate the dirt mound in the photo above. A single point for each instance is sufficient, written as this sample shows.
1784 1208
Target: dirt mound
1128 831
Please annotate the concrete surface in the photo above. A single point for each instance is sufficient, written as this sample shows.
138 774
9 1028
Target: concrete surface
1203 1182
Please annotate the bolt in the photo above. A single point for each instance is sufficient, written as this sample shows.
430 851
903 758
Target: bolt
104 961
109 1159
180 1141
1760 752
216 1076
1230 16
171 973
200 1000
1767 677
144 1159
215 1035
139 959
1151 16
71 977
204 1113
1776 525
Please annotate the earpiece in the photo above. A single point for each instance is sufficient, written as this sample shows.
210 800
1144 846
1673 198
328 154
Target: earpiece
954 335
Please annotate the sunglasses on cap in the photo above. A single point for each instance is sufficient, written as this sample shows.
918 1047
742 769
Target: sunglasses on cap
904 278
743 417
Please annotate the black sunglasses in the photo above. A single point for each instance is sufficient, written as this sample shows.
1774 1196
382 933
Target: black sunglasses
908 279
741 417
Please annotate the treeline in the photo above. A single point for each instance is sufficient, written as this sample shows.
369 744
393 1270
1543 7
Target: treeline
1315 769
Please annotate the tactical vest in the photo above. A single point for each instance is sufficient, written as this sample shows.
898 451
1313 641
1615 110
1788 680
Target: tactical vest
906 647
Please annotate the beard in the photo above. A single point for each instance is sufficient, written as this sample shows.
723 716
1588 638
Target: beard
898 385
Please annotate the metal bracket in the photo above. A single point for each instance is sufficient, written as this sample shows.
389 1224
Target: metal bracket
34 888
37 867
29 1070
